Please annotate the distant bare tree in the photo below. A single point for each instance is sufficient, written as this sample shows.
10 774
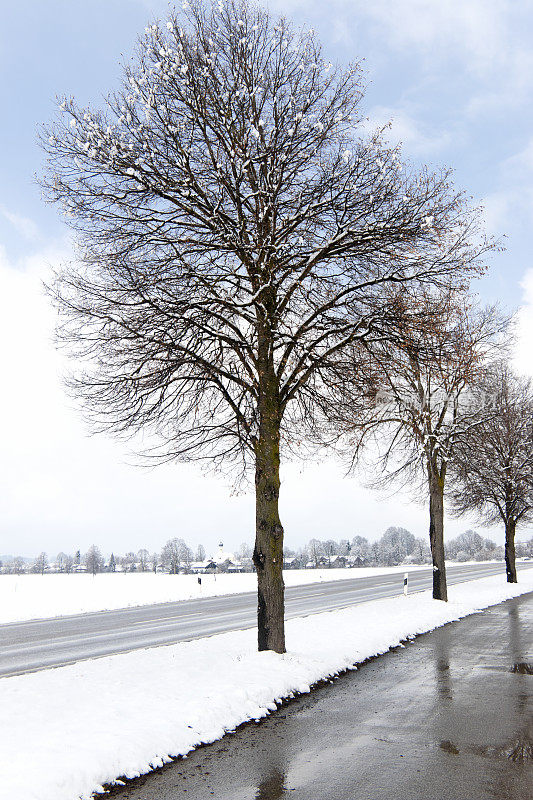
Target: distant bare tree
129 562
344 547
143 557
395 545
187 557
469 542
200 553
60 562
174 553
244 552
360 548
18 565
93 560
69 563
525 549
245 556
421 553
236 232
315 548
41 563
418 407
493 469
330 550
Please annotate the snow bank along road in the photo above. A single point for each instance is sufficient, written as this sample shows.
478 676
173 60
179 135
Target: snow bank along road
36 645
68 731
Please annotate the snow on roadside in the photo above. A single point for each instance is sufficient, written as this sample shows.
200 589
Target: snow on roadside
67 731
25 597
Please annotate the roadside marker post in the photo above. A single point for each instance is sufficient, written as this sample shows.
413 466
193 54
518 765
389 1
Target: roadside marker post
405 582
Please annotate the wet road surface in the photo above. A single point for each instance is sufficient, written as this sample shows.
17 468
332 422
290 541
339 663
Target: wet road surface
450 717
41 644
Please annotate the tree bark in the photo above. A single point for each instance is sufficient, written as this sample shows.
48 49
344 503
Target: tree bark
510 563
436 535
268 551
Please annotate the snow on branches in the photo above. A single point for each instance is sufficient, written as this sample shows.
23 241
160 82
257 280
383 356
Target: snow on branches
225 197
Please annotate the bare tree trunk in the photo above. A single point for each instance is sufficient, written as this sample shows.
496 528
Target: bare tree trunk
268 551
510 563
436 536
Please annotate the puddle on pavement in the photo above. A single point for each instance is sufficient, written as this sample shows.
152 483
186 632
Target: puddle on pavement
449 747
520 668
272 787
518 750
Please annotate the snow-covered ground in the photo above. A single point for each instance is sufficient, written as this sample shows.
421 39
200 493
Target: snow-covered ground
67 731
40 596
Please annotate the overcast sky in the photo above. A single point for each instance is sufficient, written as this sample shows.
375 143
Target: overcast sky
456 79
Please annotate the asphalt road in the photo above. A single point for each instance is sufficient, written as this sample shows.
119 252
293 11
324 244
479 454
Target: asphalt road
450 717
41 644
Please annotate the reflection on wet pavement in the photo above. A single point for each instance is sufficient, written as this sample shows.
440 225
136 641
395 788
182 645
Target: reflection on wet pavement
449 747
441 661
521 749
517 750
272 787
522 668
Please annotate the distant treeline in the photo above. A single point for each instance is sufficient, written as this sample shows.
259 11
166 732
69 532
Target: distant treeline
396 546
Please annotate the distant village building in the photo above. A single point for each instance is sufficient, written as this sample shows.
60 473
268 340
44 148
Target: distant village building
221 561
291 562
227 562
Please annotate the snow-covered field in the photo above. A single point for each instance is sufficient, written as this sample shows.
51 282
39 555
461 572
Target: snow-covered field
67 731
40 596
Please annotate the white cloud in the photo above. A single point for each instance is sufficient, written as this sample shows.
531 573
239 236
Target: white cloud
510 83
417 137
475 28
23 225
512 203
501 208
523 160
524 349
488 40
478 30
341 32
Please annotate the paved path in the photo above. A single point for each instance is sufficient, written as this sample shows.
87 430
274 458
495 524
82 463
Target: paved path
450 717
34 645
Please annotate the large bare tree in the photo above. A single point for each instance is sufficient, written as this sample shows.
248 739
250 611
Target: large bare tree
493 467
235 233
417 406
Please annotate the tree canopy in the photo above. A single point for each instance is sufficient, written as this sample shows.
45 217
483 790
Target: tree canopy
228 190
237 229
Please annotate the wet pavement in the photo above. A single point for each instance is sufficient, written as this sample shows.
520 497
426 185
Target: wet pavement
450 717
